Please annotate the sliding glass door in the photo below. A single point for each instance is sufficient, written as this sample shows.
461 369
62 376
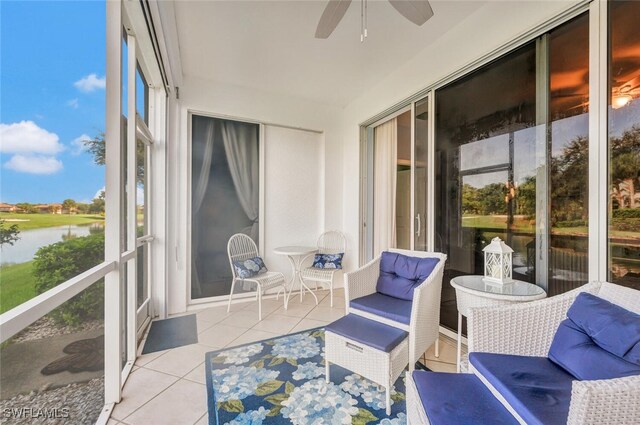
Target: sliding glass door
225 198
511 143
399 185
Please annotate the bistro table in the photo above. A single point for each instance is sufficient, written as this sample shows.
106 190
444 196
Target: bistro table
296 255
475 291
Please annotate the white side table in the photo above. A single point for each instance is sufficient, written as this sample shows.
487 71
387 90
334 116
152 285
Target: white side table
296 254
473 291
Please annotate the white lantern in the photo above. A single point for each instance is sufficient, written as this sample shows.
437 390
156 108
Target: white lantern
497 262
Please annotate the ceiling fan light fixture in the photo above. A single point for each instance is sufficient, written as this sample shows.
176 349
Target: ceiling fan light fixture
620 100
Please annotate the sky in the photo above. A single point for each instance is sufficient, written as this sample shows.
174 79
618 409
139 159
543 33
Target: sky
52 96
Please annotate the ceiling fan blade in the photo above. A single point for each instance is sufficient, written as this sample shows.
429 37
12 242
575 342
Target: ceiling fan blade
417 11
331 17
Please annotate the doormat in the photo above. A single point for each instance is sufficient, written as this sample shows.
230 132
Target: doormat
171 333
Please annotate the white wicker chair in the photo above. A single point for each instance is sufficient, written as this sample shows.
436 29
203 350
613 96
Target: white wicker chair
424 326
242 247
331 242
528 329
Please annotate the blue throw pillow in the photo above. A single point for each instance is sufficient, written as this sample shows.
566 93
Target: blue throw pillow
401 274
249 267
599 340
612 327
328 261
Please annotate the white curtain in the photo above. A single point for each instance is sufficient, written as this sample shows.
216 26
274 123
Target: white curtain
199 192
242 156
385 158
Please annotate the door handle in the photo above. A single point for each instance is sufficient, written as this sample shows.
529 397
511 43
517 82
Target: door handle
419 224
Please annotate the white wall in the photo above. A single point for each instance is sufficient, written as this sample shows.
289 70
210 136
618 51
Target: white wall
242 103
491 27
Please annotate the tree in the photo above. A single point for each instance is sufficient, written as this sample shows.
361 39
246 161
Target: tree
27 208
97 205
97 147
69 204
8 235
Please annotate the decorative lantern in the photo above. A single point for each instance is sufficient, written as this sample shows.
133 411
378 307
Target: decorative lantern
497 262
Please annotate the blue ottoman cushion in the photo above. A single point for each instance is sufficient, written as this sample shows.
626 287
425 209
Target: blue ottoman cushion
368 332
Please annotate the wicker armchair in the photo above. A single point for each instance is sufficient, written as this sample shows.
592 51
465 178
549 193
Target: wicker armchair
424 324
528 330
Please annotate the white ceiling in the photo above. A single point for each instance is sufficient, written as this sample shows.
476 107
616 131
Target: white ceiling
270 45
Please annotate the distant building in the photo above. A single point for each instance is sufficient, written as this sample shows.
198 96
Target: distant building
49 208
8 208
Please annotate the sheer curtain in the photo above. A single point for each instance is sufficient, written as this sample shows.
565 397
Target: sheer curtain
385 151
241 150
199 191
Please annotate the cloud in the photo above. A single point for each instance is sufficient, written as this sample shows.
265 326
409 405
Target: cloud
73 103
27 138
34 164
90 83
78 146
97 195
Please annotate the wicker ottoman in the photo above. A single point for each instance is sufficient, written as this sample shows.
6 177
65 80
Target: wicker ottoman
371 349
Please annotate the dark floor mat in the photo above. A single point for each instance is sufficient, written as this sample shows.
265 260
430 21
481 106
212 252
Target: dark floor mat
171 333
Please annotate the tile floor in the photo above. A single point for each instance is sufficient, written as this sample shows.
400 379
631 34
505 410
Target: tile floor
168 387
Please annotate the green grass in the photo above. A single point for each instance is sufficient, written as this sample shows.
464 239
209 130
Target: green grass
37 221
17 285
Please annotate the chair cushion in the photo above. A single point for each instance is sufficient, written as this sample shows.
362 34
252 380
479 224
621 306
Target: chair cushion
368 332
328 261
401 274
384 306
459 398
534 387
249 267
612 327
574 351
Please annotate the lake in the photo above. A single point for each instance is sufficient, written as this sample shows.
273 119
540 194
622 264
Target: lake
30 241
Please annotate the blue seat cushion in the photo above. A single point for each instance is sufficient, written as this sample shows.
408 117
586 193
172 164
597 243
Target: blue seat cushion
328 261
459 398
611 327
385 306
401 274
573 350
368 332
535 387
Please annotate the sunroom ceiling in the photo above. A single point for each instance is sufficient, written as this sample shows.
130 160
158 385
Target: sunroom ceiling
270 45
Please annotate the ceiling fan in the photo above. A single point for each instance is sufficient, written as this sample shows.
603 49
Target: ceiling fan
417 11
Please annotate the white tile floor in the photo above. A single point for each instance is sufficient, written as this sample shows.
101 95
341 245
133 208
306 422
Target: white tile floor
168 387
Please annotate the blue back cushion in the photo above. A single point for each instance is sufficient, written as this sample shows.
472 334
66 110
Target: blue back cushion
328 261
249 267
599 340
401 274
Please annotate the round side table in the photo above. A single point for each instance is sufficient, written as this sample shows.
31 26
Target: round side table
474 291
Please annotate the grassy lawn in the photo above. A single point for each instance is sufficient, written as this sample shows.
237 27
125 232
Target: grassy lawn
36 221
17 285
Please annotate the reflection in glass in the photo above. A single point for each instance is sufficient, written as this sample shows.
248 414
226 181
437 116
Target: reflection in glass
224 201
403 182
624 143
512 155
420 182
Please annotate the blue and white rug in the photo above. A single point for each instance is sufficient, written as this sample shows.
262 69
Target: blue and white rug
282 381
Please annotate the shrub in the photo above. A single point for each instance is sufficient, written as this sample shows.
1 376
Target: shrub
59 262
626 224
626 213
571 223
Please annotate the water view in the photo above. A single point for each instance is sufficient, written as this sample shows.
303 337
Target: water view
25 248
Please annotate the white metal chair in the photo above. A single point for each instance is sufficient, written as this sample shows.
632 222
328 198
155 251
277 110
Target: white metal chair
330 242
424 324
242 247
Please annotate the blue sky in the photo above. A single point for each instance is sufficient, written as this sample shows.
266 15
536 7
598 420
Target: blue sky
51 95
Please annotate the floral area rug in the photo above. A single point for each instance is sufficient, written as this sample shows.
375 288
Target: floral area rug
282 381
